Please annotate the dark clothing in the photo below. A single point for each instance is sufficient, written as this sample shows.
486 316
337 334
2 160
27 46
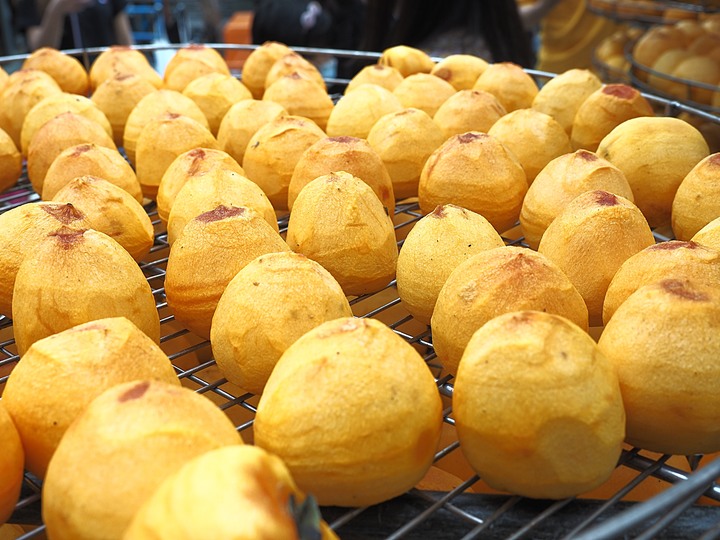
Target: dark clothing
96 23
334 24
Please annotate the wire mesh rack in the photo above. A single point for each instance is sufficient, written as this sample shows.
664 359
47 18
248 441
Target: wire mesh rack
648 496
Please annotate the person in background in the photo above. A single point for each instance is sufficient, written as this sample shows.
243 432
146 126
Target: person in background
325 24
492 30
71 24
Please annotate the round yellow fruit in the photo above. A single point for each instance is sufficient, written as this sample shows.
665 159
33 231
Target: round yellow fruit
509 83
299 95
563 179
61 374
655 154
88 159
386 76
561 96
313 413
211 249
349 154
672 259
259 62
664 341
203 499
534 137
133 436
438 243
273 152
242 121
338 221
99 279
265 308
497 281
153 106
697 199
404 140
468 110
161 141
537 407
603 110
590 239
460 70
476 171
356 112
423 91
407 60
215 93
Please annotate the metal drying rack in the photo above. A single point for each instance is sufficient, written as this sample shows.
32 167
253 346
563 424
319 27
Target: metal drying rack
685 494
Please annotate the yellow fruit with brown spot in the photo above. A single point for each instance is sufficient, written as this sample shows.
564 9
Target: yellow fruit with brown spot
497 281
663 342
218 187
590 239
266 307
338 221
133 436
111 210
434 247
188 165
211 249
672 259
460 70
563 179
21 229
99 280
603 110
477 172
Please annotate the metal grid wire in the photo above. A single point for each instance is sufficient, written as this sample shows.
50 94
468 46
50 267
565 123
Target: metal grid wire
684 499
462 512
